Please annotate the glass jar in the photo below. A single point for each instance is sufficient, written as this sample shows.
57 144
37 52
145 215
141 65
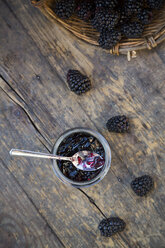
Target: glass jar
106 165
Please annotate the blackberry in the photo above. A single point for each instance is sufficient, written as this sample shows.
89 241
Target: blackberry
124 17
110 226
132 6
119 124
85 10
155 4
132 30
100 151
64 8
87 175
142 185
145 16
78 83
72 174
105 19
109 38
106 3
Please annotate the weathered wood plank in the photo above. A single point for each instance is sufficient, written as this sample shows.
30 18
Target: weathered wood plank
66 211
21 225
135 89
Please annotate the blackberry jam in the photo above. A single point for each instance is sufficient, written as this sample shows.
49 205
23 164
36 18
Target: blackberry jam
75 140
72 144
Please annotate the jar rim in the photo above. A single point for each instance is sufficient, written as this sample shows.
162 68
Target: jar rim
105 168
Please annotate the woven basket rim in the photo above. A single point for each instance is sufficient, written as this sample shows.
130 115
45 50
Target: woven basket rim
152 36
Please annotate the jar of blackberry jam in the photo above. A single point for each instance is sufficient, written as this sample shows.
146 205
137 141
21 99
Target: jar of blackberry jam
75 140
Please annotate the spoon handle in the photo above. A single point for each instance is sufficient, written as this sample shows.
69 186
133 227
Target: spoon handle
24 153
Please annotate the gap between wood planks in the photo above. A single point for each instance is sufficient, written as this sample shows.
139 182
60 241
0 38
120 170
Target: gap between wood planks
51 67
59 76
32 202
16 98
47 60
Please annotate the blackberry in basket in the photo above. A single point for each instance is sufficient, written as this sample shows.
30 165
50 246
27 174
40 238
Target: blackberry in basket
106 3
110 14
105 19
124 17
85 10
155 4
132 30
109 38
133 6
64 8
145 16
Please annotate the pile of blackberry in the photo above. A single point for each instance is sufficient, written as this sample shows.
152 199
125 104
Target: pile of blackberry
85 10
113 19
73 144
64 8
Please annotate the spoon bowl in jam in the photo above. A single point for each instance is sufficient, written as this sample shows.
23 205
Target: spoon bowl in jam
83 160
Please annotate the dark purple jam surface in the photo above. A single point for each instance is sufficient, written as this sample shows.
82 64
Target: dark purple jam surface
75 143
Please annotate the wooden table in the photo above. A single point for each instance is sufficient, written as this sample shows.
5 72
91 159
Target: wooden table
36 209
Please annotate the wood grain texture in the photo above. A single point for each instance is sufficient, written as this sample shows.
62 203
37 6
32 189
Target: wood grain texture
21 225
37 105
65 210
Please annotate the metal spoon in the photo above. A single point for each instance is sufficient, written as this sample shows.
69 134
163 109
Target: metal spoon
83 160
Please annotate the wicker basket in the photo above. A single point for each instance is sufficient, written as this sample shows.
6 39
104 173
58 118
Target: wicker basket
154 33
